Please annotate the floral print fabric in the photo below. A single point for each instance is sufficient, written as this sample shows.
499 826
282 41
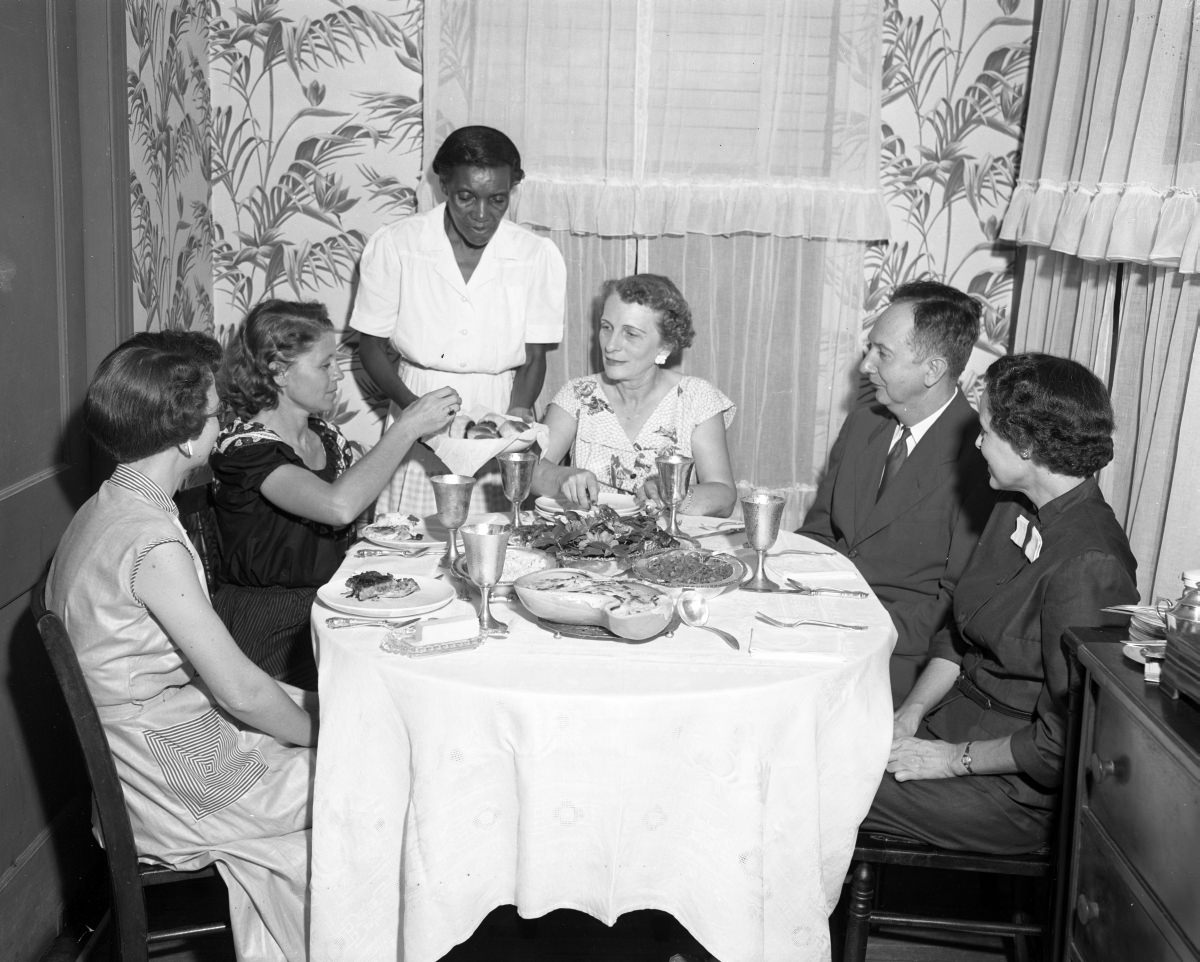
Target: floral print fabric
619 462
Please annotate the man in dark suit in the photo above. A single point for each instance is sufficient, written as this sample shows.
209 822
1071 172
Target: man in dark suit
906 493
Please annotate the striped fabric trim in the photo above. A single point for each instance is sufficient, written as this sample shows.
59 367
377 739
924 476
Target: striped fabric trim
141 556
203 765
126 477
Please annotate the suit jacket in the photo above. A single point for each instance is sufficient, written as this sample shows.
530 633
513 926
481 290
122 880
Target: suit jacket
913 543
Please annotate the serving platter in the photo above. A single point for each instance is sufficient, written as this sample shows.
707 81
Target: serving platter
573 596
711 573
430 595
562 629
625 505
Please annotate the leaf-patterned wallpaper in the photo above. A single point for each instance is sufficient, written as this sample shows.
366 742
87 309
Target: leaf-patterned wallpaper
955 74
269 139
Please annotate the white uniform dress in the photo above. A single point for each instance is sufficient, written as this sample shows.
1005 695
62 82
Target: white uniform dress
468 335
198 786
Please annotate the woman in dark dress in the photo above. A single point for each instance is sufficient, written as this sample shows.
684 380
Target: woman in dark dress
286 491
978 745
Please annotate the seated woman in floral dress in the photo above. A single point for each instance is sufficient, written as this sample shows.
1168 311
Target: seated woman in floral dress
215 758
287 490
617 423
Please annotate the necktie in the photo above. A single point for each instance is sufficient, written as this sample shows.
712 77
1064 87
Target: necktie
895 460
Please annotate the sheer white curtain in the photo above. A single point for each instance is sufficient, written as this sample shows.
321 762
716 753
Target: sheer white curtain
732 147
1109 206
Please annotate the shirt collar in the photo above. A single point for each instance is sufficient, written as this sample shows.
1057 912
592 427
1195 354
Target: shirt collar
918 430
433 235
126 477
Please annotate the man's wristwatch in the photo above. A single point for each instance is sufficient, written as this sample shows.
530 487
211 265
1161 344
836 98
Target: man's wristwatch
966 759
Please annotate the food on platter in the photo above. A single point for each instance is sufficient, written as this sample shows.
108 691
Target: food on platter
517 563
599 534
395 526
683 567
487 428
370 585
630 609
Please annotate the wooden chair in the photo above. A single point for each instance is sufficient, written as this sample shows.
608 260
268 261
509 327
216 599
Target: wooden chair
873 851
199 520
128 876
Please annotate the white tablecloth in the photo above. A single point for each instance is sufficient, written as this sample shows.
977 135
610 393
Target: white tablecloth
722 787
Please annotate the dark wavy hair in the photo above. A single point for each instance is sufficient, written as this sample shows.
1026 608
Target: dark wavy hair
151 393
945 322
660 294
267 342
1053 408
478 146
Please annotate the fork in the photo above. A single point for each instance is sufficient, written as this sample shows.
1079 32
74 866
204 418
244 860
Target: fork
402 552
763 616
780 554
816 590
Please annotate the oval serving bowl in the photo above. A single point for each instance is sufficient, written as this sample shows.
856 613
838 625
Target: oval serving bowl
573 596
518 562
678 570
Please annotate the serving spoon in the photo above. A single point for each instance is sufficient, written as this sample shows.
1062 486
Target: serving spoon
693 611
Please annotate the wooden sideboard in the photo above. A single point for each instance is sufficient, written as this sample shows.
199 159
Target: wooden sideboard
1134 884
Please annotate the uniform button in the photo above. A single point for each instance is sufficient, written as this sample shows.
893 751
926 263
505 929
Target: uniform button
463 364
853 553
463 332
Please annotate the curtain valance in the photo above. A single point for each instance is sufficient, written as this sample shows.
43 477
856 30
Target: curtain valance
1111 162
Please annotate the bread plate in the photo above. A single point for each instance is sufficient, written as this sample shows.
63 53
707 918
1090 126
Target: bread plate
624 505
430 595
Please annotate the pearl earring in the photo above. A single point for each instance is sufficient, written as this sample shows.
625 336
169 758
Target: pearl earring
661 359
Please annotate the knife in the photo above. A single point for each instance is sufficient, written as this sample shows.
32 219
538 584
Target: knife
719 531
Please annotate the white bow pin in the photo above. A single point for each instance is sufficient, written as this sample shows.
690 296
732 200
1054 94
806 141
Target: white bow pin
1027 537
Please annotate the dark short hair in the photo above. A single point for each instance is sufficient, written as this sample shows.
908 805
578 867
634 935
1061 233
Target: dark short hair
478 146
267 342
660 294
945 322
151 393
1054 408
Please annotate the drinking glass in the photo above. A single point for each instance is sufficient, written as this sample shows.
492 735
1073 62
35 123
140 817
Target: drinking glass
516 475
673 471
452 493
762 513
485 545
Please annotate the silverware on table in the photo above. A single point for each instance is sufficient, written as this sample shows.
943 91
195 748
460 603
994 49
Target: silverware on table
780 554
719 531
400 552
818 590
693 610
847 626
337 621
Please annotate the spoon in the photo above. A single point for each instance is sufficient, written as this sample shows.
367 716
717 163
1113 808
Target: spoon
693 611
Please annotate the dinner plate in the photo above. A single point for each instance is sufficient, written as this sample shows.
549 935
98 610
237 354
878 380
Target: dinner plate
430 595
624 504
376 534
1136 652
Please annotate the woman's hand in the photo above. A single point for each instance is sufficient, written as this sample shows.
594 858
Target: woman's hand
431 412
579 488
921 758
650 496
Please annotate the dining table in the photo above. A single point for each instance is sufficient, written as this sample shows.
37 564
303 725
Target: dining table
547 771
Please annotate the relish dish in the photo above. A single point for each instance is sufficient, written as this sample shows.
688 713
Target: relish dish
629 609
710 573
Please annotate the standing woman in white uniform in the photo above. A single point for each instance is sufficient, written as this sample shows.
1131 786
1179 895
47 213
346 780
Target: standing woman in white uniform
467 299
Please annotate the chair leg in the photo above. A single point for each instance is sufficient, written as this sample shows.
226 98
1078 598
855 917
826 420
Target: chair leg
858 913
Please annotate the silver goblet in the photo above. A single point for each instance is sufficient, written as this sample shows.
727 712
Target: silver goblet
673 471
762 513
516 475
485 545
452 493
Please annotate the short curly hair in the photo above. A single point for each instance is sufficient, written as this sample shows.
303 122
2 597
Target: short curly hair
151 393
945 322
267 342
478 146
1054 408
660 294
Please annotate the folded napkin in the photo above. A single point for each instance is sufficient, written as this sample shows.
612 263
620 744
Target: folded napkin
805 643
815 567
468 455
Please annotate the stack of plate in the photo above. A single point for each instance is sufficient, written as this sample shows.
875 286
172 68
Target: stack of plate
1146 624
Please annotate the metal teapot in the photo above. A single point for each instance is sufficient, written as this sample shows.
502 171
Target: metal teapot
1183 619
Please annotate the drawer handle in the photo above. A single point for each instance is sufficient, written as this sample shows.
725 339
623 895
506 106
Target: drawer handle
1086 909
1101 768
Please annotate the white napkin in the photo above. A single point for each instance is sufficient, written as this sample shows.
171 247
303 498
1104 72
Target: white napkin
805 643
467 455
816 567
